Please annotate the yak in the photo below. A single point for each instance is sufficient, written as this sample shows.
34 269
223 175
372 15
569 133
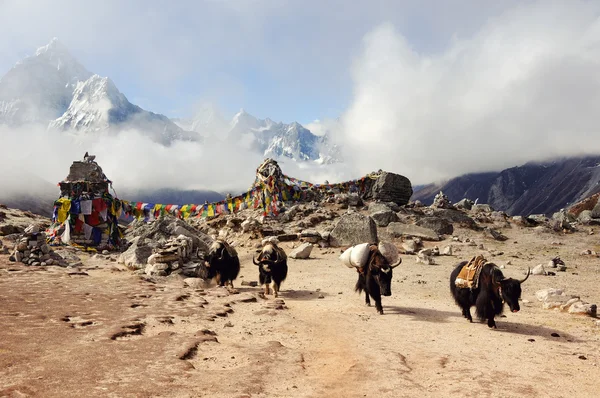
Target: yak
272 267
488 295
222 262
375 278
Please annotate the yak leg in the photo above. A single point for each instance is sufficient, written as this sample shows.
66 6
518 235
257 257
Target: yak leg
275 289
367 299
378 305
466 311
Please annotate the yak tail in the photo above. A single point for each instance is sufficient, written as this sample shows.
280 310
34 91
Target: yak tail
360 284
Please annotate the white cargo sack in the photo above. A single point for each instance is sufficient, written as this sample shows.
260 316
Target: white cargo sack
359 255
356 256
345 257
389 251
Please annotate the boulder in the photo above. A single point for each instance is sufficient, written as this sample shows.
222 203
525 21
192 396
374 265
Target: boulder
492 233
538 270
384 218
582 308
390 187
410 246
354 200
447 251
376 207
542 295
302 251
158 269
456 217
466 204
482 208
437 224
136 256
352 229
397 229
596 210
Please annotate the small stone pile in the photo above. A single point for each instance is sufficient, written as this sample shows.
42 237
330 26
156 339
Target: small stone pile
557 299
170 256
441 201
32 249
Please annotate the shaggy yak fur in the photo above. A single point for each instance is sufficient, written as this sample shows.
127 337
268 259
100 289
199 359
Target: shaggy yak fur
375 278
492 292
272 267
223 263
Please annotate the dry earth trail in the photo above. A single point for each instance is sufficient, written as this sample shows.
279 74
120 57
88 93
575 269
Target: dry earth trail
103 331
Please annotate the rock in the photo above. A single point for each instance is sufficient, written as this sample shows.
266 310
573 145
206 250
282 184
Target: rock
465 203
396 230
596 210
32 229
310 235
457 217
585 217
492 233
389 187
424 257
136 256
352 229
354 200
301 252
384 217
482 208
437 224
542 295
583 309
441 201
18 257
196 283
287 237
158 269
376 207
410 246
447 251
538 270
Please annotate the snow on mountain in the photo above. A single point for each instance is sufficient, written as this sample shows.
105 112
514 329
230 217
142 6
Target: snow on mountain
98 105
206 121
53 89
39 88
271 139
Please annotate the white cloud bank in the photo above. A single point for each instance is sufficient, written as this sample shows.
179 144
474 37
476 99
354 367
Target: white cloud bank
525 87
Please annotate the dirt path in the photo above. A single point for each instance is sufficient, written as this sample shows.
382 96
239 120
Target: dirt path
102 331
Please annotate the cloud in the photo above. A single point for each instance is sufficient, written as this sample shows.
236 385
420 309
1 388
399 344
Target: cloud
525 86
38 159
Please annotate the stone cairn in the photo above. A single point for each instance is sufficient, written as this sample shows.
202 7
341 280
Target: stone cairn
174 254
441 201
32 249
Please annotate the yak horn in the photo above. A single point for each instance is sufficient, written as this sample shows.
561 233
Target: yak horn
526 276
222 253
254 260
397 263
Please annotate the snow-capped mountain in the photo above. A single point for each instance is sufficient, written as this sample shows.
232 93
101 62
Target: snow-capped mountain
39 88
269 138
98 105
207 121
53 89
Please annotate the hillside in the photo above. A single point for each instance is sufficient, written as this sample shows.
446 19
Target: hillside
533 188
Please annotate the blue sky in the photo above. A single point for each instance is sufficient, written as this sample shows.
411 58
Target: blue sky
287 60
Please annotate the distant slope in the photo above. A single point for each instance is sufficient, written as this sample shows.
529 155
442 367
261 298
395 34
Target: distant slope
172 196
528 189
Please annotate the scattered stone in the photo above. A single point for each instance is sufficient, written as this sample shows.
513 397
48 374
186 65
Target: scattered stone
424 257
447 251
302 252
441 201
440 225
384 218
396 230
492 233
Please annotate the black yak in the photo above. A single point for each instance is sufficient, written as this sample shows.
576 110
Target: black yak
488 294
375 278
222 262
272 267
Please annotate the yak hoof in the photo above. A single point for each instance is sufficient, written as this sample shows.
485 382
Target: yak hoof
380 312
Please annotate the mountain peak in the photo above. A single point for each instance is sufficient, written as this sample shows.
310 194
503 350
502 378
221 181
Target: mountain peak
53 47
